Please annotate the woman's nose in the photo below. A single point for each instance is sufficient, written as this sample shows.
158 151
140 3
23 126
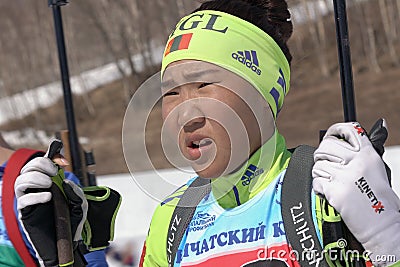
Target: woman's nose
190 115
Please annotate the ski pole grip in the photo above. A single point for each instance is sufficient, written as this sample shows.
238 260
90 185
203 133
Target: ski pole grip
63 227
62 221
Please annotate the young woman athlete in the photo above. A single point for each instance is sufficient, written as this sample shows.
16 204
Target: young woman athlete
225 74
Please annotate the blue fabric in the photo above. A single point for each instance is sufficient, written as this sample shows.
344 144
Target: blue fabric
96 258
4 238
215 236
314 216
72 177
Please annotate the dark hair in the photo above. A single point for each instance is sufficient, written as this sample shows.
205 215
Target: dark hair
271 16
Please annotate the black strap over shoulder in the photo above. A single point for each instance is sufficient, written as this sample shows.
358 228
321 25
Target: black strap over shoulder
297 208
183 214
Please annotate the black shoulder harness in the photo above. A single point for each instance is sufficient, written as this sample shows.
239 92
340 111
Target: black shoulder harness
296 210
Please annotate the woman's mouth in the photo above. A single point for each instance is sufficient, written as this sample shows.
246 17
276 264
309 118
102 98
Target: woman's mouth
196 148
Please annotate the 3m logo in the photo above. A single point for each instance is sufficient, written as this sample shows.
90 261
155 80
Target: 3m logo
251 172
249 59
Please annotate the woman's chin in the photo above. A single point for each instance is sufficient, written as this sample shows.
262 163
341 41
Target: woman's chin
213 171
207 173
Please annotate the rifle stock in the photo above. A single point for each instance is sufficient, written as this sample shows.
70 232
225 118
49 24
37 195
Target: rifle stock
64 137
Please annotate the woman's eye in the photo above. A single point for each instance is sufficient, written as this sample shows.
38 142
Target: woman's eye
204 85
170 93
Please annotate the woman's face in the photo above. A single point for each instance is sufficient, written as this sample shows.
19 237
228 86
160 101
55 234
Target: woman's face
216 125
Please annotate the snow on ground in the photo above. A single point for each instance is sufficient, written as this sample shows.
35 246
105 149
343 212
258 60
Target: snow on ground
30 137
22 104
392 158
137 207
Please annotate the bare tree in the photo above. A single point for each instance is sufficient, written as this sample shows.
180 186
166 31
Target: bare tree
397 3
317 38
98 17
130 37
164 16
322 36
370 40
75 64
393 18
386 21
180 8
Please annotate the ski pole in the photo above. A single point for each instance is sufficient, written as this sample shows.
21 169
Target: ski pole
346 73
64 236
62 221
69 108
349 106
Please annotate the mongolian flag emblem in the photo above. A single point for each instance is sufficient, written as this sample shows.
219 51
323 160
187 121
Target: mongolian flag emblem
178 43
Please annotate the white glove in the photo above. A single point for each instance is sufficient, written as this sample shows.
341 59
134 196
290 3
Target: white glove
36 174
352 177
36 210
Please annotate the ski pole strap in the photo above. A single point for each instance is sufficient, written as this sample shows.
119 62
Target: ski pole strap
14 165
297 208
183 214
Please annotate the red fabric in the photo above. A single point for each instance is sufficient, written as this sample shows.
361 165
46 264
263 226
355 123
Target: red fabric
184 44
143 254
14 165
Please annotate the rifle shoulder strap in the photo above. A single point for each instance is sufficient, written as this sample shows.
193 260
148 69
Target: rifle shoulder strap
14 165
297 209
183 214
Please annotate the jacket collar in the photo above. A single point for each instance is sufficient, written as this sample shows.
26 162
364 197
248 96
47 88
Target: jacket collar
255 174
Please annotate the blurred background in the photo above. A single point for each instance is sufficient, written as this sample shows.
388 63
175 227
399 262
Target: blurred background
114 46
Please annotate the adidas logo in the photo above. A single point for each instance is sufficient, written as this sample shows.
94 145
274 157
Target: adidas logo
251 172
248 58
